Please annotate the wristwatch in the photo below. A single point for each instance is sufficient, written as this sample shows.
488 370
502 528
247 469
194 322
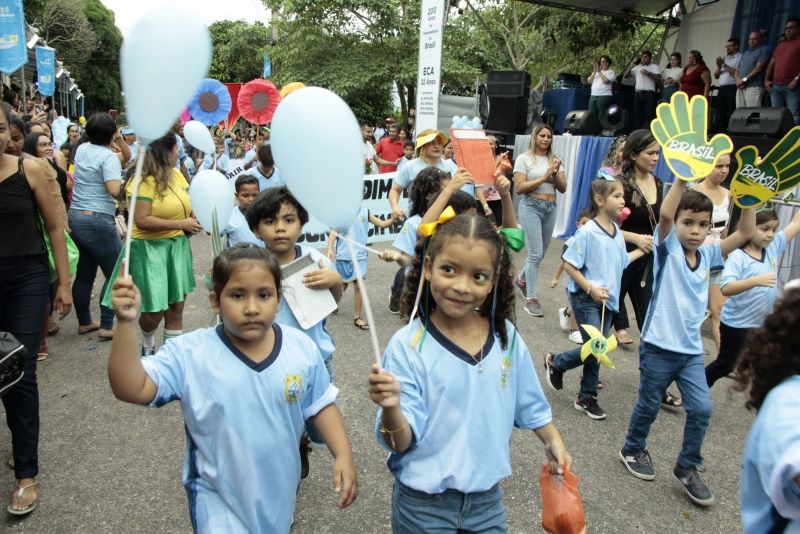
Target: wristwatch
744 79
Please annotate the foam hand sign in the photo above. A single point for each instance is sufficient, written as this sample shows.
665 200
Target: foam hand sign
598 346
681 128
758 180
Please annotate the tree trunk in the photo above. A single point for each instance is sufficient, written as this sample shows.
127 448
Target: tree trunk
401 94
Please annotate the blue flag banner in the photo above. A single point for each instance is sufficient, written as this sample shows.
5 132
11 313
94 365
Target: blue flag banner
267 72
13 52
46 69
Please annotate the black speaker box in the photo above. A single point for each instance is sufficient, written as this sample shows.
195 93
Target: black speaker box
508 83
765 122
581 122
507 115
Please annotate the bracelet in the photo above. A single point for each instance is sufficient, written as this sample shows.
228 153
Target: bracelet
589 291
385 431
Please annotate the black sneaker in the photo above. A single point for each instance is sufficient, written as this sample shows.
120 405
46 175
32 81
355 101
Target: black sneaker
638 463
554 377
304 466
394 306
695 487
590 408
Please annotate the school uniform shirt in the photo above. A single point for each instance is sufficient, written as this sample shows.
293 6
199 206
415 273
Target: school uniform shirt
601 257
461 418
318 333
243 422
359 233
222 162
238 231
264 181
173 204
749 308
406 240
411 169
680 295
771 463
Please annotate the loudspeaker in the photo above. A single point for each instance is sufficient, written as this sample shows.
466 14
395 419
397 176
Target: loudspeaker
508 83
507 115
581 122
765 122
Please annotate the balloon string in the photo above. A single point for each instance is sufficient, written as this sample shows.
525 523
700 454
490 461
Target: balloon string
137 179
365 300
357 245
603 319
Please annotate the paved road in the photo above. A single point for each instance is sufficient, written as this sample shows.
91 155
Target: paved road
112 467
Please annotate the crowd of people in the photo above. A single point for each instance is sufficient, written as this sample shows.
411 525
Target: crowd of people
762 74
674 256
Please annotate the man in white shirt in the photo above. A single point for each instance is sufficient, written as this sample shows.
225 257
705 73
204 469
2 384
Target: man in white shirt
726 74
647 75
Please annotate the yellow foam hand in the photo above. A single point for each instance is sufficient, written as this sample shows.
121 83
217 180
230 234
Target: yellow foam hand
758 180
598 346
681 127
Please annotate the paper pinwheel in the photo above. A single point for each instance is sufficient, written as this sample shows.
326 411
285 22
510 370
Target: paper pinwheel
681 128
211 102
257 101
757 181
598 346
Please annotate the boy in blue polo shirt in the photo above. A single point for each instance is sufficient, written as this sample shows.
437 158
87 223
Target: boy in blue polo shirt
671 347
237 230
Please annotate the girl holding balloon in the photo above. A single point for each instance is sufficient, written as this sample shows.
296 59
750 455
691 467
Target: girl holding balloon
161 257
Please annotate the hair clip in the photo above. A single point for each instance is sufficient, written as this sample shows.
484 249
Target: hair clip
429 228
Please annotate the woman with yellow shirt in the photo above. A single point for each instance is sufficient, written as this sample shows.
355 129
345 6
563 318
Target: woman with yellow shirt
161 257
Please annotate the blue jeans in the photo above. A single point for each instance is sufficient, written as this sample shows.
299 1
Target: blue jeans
448 512
96 236
24 286
657 369
586 311
538 219
782 97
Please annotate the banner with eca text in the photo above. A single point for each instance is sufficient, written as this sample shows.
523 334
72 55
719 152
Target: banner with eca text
13 50
376 200
431 33
46 70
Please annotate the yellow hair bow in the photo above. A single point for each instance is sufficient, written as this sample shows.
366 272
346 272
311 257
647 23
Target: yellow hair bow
428 228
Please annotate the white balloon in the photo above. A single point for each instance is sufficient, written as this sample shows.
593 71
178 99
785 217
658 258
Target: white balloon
198 136
210 189
163 60
332 191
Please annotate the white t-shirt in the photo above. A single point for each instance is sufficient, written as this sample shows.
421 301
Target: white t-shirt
601 88
672 72
534 167
369 154
643 82
725 77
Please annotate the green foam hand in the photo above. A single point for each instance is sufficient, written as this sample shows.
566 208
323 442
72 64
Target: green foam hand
758 180
681 127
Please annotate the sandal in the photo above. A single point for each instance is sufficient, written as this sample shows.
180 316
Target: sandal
86 328
10 461
41 356
671 402
20 493
360 323
105 334
52 328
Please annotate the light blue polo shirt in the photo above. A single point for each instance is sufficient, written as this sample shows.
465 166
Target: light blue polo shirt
94 166
359 233
238 231
680 295
411 169
749 308
406 240
273 180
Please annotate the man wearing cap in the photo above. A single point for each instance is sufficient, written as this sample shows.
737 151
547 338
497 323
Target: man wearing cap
389 150
130 139
430 145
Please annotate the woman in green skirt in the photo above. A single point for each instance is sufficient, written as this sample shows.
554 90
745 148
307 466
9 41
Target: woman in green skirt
161 257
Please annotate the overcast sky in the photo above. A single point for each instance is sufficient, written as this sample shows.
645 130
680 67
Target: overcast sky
127 12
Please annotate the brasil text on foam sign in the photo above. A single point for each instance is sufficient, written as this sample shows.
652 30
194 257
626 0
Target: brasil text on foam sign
758 180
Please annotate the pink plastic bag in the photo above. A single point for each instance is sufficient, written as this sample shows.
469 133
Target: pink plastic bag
562 509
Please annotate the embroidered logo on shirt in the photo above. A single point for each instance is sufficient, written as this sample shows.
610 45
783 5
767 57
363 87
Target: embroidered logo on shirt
506 366
291 387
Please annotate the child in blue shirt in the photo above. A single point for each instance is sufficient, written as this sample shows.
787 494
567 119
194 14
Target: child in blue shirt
245 387
359 233
454 383
594 261
671 348
264 170
277 218
237 230
769 371
748 281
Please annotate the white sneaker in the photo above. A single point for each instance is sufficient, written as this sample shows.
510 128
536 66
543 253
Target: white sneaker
563 318
575 337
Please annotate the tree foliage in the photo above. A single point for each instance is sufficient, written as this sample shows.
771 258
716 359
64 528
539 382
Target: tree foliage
100 77
238 50
64 26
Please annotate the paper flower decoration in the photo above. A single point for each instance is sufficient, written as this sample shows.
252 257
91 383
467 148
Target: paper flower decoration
211 102
185 116
291 86
598 346
257 101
